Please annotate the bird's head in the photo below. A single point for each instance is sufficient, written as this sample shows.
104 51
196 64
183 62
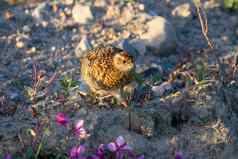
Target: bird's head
123 62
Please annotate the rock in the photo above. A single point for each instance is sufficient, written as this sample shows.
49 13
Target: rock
82 46
100 3
20 44
160 37
126 45
139 45
112 12
68 2
126 15
37 12
26 29
84 89
162 89
82 13
141 7
183 14
183 10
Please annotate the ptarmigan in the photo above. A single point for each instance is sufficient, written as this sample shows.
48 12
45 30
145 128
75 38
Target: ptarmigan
106 70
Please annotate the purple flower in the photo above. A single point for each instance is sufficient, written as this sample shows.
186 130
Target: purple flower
178 155
141 157
76 152
119 147
99 153
7 156
62 119
119 144
79 129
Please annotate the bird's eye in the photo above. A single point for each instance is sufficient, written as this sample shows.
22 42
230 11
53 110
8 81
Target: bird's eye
124 61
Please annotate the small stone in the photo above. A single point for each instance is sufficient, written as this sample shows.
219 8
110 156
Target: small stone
82 13
44 23
139 45
161 89
14 96
160 37
99 3
141 7
112 12
82 46
68 2
27 12
183 10
26 29
126 15
84 89
20 44
68 11
31 50
74 30
37 12
53 48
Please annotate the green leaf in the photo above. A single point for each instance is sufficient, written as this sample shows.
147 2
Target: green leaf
231 4
47 131
138 78
66 83
29 153
197 3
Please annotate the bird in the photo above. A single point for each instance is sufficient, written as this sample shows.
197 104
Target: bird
107 70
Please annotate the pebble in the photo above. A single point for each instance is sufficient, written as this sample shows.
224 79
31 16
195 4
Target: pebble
68 11
14 96
20 44
82 13
126 15
68 2
139 45
141 7
161 89
31 50
44 23
100 3
53 48
82 46
26 29
183 10
160 37
36 13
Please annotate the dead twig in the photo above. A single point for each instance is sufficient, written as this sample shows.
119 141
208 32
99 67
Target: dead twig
204 24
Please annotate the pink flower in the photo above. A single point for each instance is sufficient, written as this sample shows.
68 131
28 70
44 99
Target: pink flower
62 119
79 129
7 156
120 147
100 152
178 155
76 152
141 157
119 144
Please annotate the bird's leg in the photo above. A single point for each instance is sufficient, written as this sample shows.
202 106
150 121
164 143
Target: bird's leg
102 95
120 99
130 88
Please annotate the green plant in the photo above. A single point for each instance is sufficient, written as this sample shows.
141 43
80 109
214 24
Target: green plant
129 1
231 4
66 83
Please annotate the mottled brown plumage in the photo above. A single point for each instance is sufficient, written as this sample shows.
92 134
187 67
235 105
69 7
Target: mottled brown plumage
106 69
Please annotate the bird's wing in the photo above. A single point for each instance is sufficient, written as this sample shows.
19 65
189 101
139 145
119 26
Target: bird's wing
100 61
